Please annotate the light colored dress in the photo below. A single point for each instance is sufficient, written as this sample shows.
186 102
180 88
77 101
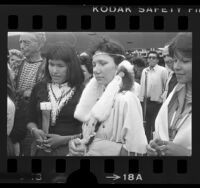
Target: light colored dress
10 115
169 113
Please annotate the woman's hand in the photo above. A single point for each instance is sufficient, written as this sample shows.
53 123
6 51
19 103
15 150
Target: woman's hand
38 134
54 140
151 148
76 147
27 93
172 149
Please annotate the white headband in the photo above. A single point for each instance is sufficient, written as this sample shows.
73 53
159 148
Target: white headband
104 53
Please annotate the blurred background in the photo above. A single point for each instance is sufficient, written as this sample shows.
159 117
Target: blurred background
82 40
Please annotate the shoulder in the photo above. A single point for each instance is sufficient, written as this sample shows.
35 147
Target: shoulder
136 85
161 68
127 97
145 69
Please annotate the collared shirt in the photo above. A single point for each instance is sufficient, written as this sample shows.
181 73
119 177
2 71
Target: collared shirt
156 80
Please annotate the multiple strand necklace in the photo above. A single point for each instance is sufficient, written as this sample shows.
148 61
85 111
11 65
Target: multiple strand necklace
59 101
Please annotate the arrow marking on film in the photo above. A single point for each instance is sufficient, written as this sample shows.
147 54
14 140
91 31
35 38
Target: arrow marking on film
114 177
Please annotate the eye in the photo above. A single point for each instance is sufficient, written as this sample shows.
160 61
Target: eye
103 63
186 60
59 65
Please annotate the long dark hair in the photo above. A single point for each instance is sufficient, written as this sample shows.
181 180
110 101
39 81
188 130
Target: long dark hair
66 53
111 47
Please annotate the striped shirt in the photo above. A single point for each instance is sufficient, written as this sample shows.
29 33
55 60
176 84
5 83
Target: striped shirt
28 75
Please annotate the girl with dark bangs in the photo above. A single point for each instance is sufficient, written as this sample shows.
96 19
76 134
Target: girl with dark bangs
53 102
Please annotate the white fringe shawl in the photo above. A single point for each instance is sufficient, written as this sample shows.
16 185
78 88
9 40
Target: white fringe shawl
94 102
89 105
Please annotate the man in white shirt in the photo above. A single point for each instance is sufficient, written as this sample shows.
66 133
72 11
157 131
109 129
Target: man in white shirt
152 82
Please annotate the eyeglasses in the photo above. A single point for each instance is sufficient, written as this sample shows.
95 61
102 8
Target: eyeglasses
152 57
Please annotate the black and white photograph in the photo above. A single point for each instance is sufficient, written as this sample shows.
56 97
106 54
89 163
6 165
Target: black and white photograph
99 94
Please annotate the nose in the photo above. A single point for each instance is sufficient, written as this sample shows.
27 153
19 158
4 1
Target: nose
177 64
54 70
22 46
96 69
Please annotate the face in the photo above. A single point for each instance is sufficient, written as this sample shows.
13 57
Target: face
104 68
183 69
28 44
58 71
87 75
168 61
152 59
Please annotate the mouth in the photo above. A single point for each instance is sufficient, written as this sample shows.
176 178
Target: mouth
178 74
55 77
98 77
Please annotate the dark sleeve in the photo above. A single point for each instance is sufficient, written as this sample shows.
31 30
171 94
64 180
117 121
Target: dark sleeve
33 104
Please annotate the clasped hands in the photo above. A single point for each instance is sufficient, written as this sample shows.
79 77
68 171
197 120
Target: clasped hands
49 141
158 147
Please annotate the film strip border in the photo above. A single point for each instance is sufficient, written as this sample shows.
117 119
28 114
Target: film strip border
158 22
107 170
103 170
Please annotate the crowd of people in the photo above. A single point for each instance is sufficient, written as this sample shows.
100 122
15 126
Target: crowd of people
98 103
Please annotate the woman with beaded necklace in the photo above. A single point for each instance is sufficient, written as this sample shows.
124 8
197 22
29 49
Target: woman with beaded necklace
53 102
173 124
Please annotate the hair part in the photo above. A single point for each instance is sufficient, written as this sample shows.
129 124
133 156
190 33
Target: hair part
112 47
181 43
153 52
66 53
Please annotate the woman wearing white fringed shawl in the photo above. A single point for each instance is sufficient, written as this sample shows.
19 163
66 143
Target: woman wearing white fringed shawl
173 125
109 101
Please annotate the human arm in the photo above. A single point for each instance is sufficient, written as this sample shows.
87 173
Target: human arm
10 115
55 140
133 132
33 115
171 149
27 93
142 84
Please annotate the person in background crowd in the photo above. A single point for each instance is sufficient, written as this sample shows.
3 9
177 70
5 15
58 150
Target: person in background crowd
110 111
86 66
31 71
161 61
153 82
54 125
139 65
172 80
15 60
173 125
